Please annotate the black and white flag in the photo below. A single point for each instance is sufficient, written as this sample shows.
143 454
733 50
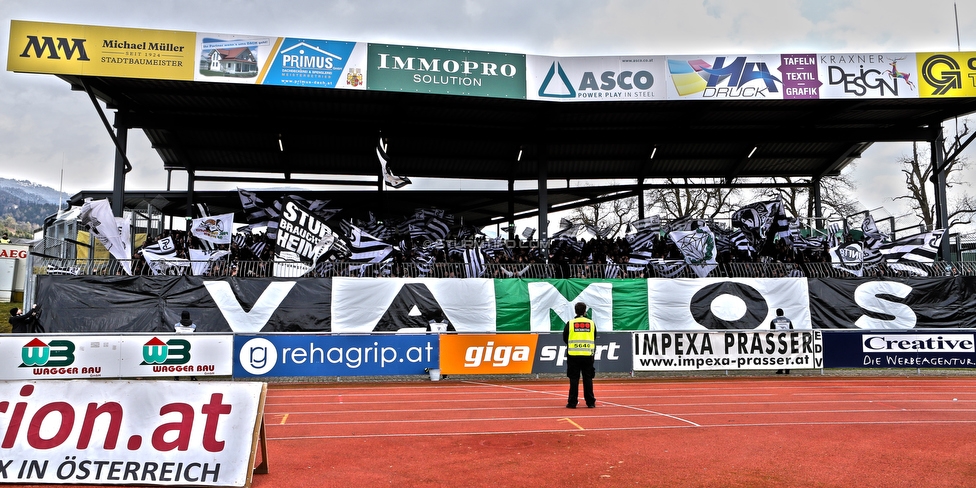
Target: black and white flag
112 232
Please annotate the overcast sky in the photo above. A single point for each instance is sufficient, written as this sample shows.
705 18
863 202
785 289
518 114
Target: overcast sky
44 126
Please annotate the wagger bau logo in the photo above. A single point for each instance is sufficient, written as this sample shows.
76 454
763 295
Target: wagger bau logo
173 351
55 354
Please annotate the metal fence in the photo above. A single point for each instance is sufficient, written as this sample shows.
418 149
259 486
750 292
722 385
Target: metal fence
258 269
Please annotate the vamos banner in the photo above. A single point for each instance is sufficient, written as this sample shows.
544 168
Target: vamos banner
690 351
124 432
733 303
899 349
907 303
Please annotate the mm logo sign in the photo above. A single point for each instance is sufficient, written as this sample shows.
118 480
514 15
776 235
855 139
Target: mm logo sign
51 48
173 351
71 49
54 354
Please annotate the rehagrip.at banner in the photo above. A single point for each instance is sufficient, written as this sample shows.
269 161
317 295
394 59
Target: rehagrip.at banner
690 351
125 432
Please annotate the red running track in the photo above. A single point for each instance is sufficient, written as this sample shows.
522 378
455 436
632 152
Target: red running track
777 431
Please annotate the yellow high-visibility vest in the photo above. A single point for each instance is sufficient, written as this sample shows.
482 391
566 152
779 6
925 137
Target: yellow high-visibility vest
582 337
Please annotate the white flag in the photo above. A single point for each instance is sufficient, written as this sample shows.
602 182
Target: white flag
201 260
216 228
97 216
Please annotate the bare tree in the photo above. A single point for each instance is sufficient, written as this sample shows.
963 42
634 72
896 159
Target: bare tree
612 214
836 196
918 171
683 200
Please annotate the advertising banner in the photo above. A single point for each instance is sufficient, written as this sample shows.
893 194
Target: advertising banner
42 47
690 351
445 71
323 355
598 79
899 349
318 64
907 303
231 58
26 356
800 77
854 75
613 353
951 74
123 432
733 303
488 353
170 355
403 303
746 77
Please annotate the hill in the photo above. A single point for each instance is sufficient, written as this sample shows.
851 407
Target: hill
25 205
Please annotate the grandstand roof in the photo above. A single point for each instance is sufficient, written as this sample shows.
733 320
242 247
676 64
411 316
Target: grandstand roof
219 131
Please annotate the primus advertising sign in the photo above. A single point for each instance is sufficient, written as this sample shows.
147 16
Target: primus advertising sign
690 351
445 71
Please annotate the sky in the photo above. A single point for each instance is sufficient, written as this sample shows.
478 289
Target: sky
53 136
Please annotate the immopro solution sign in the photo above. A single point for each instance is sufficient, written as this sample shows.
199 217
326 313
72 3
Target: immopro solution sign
445 71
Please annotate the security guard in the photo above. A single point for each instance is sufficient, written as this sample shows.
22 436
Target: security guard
780 322
580 335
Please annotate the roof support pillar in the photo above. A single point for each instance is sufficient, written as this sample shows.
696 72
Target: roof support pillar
511 209
640 198
939 183
544 199
816 196
121 163
190 184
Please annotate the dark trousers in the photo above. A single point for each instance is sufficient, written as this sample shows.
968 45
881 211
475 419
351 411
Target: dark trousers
575 367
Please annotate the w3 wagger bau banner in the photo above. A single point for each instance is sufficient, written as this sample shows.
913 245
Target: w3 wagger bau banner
125 433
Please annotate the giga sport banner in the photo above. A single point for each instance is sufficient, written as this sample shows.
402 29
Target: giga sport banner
110 304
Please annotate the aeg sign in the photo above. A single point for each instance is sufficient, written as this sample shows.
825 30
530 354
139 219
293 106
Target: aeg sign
487 353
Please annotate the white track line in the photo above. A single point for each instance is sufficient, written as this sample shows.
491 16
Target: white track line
603 402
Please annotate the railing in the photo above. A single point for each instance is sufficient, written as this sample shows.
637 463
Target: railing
258 269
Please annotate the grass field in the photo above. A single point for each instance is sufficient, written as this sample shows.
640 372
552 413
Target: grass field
5 308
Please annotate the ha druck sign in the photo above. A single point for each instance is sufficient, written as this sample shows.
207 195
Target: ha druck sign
124 433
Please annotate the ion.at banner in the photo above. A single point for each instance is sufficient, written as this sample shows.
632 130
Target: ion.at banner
691 351
900 349
315 355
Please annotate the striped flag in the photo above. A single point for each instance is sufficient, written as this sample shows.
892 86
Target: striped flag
363 247
920 248
668 268
63 270
611 270
646 230
873 238
389 178
200 260
474 263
